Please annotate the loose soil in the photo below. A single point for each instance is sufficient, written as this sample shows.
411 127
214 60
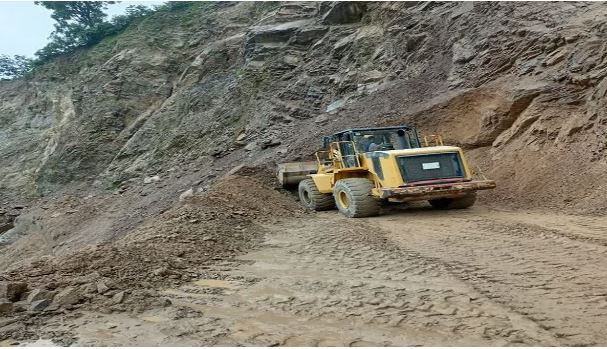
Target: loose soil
413 276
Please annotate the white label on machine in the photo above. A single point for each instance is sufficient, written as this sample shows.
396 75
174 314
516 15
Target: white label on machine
430 165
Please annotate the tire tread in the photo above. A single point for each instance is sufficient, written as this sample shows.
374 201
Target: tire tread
363 203
319 201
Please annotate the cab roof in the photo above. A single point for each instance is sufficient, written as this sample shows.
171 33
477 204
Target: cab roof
409 128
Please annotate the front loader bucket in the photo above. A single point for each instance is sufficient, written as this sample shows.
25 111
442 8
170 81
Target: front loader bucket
291 173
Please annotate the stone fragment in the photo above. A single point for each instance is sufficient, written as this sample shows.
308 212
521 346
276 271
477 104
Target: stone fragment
291 60
186 194
40 305
102 287
151 179
161 271
251 146
338 104
118 297
68 296
343 43
554 58
463 52
241 137
572 38
39 294
271 142
372 76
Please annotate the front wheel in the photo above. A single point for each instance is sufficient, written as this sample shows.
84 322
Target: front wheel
313 199
458 203
354 199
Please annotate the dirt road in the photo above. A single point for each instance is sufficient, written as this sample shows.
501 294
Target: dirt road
410 277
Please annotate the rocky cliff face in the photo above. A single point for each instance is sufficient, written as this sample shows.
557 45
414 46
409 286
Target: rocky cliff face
212 85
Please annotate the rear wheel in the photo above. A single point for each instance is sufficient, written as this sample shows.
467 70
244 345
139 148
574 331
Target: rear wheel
313 199
354 199
459 203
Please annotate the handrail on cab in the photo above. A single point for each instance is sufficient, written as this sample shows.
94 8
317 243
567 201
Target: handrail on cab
335 156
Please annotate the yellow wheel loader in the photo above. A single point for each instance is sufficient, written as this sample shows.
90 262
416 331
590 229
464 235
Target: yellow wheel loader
360 168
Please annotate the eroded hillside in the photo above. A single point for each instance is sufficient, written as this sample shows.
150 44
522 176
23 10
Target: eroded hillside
214 84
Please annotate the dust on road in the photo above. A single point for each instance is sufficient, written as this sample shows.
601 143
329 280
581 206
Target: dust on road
410 277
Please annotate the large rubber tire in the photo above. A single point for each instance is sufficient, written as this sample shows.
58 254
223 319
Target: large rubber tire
353 198
313 199
459 203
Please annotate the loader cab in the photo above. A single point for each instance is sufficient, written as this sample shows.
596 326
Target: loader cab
363 140
343 149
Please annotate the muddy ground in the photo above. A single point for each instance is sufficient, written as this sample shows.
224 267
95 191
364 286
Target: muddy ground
413 276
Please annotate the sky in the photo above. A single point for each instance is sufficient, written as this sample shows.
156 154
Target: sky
25 27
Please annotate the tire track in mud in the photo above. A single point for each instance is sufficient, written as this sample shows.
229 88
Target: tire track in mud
328 280
550 276
412 277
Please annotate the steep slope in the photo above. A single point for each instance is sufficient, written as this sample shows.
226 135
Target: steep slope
213 83
113 135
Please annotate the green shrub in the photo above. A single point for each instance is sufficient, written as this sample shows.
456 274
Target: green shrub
81 24
14 67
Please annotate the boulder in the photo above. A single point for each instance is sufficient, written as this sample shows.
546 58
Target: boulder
39 294
68 296
344 13
12 291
